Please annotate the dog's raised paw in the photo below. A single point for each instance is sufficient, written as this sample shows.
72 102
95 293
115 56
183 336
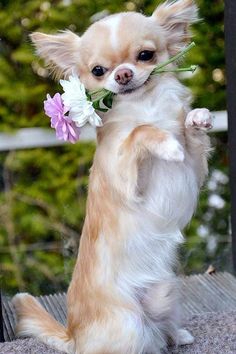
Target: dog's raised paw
171 150
199 118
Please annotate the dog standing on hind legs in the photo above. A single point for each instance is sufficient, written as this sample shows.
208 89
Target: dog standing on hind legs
150 162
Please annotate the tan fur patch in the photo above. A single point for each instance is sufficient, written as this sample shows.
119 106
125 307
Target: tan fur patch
101 219
142 138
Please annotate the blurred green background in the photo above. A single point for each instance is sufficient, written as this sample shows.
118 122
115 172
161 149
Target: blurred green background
43 191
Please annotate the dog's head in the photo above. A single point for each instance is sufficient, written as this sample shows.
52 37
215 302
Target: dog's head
120 51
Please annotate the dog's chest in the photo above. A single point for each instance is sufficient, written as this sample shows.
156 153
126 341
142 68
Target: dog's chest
169 192
164 112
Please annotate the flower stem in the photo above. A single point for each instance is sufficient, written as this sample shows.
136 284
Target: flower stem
191 68
172 59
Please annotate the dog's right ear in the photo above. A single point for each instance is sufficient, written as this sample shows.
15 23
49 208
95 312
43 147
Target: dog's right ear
175 17
60 51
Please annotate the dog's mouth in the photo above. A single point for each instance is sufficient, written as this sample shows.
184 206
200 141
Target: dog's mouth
129 90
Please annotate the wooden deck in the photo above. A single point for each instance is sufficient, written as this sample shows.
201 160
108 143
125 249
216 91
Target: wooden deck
200 294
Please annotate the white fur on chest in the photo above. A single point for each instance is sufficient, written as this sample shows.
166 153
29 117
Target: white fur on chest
171 192
167 190
160 106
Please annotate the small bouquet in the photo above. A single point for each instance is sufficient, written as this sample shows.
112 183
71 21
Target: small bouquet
76 106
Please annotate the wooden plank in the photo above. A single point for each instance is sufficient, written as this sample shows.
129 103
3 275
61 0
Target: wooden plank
9 320
199 293
220 121
28 138
230 45
1 320
60 307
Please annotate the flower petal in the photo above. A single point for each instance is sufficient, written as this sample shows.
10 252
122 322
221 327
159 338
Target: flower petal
79 118
74 97
95 120
53 105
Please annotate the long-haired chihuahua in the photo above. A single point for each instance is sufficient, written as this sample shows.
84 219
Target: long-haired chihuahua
150 162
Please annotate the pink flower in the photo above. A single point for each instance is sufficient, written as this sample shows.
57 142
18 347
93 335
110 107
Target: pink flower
64 126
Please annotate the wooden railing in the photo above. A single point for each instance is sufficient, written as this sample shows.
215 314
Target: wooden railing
28 138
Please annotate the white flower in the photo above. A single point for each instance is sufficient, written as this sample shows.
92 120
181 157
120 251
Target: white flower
74 98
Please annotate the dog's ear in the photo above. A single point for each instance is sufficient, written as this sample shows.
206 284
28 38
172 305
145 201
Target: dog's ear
60 51
176 17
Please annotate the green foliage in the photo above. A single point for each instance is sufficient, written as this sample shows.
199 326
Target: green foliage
43 191
208 85
42 210
208 235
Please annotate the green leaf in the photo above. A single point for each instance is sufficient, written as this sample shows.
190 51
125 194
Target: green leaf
108 100
96 105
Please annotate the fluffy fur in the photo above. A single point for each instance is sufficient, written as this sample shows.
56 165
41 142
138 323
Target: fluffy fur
150 163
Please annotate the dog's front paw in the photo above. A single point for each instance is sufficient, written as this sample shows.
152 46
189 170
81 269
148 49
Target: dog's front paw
171 150
199 118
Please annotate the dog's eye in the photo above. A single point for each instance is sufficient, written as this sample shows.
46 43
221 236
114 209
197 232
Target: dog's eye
146 55
98 70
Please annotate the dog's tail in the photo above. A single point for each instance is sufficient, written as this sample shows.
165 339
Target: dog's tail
34 321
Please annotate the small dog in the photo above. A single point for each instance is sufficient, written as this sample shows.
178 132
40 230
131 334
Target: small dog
150 163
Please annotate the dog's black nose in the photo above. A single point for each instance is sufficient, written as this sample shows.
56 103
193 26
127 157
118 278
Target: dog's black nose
123 76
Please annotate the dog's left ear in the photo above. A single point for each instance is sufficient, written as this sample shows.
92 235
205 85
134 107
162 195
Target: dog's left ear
60 51
176 17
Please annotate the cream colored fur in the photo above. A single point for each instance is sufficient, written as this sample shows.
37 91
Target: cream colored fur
150 163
